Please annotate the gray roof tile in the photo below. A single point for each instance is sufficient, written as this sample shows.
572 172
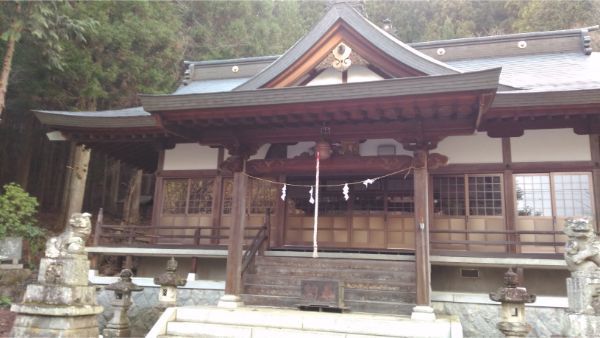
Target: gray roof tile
542 72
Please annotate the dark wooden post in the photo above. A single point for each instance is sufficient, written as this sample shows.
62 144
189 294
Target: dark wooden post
233 283
595 155
423 310
96 240
509 197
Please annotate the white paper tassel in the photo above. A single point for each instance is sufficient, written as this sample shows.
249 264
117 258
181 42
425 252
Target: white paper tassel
368 181
346 190
283 191
312 199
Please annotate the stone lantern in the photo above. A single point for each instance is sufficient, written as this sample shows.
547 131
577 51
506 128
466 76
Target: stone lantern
119 324
513 298
169 281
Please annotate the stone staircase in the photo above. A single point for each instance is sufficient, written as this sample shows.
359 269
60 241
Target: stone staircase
373 286
251 322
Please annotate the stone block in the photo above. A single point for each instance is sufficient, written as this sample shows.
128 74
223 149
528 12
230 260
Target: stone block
56 323
582 325
11 248
65 271
60 295
28 332
56 310
580 291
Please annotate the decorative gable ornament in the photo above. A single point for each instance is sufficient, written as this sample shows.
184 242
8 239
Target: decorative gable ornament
341 55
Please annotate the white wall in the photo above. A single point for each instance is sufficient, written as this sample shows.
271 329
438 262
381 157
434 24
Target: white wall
327 77
299 148
362 74
550 145
261 153
477 148
369 147
190 156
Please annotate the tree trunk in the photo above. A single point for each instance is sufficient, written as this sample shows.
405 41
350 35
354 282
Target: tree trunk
78 171
6 68
26 152
113 191
131 205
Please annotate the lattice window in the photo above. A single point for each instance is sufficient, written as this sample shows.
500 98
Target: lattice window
201 196
261 196
449 195
175 196
227 196
533 195
188 196
572 195
485 196
401 195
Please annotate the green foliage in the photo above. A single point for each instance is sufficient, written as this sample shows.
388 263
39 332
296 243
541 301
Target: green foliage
5 301
231 29
17 213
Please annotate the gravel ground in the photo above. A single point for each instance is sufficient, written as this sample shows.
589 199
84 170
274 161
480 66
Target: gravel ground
6 321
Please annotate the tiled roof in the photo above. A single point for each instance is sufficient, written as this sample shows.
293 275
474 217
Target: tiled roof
542 72
210 86
119 118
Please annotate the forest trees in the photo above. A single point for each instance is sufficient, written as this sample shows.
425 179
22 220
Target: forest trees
88 56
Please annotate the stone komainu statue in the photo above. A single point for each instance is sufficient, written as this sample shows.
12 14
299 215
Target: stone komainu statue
582 250
72 240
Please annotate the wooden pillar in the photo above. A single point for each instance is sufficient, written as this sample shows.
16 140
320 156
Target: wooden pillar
509 197
421 199
233 282
595 155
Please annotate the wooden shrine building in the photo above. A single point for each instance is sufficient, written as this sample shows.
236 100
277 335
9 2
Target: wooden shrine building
481 146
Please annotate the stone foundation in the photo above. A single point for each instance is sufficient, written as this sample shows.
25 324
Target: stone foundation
145 309
479 320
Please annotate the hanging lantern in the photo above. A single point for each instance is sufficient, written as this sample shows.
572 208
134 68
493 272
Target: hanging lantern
323 147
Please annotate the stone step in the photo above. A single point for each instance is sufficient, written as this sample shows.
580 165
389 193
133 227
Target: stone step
361 264
405 283
257 322
332 273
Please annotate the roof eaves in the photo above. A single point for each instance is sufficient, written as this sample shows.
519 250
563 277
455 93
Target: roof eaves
546 98
479 80
125 118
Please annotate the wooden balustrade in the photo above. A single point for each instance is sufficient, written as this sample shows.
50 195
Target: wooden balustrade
475 242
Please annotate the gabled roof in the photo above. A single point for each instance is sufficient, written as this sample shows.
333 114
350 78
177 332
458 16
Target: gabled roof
378 38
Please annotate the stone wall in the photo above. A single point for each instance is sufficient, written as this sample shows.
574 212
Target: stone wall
144 312
13 282
479 320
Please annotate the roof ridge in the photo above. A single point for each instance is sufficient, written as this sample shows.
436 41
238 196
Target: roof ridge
346 13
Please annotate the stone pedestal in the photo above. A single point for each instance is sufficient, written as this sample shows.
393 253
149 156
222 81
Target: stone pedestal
60 304
230 302
583 319
582 290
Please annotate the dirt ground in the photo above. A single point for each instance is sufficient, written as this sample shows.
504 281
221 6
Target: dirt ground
6 321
